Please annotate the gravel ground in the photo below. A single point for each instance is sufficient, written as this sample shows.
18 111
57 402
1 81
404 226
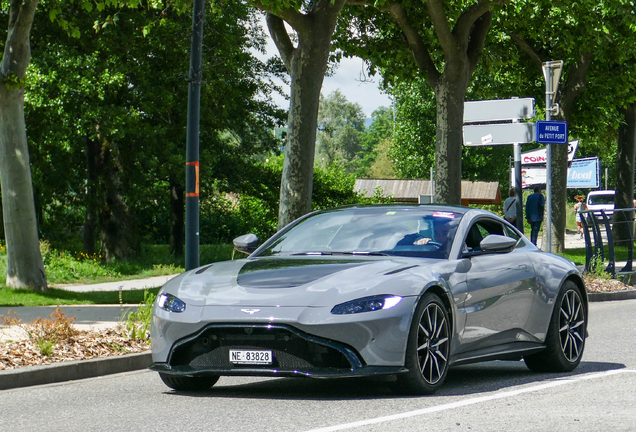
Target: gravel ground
56 339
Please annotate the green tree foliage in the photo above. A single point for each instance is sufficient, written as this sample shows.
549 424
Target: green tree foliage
344 141
413 149
340 130
441 42
415 126
595 39
134 103
375 161
256 211
305 52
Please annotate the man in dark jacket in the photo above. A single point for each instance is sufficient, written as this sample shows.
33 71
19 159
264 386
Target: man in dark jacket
534 213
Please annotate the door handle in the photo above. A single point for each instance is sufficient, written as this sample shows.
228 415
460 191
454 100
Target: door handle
522 267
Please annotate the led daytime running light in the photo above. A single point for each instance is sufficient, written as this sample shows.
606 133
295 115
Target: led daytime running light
170 303
366 304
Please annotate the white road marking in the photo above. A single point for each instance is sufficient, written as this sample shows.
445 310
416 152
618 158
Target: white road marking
472 401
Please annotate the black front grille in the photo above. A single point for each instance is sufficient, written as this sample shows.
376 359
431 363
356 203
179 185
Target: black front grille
291 350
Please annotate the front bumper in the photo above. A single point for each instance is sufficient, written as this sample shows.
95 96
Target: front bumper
294 353
378 338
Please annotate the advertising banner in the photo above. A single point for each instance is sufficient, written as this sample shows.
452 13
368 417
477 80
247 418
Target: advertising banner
530 176
538 156
582 174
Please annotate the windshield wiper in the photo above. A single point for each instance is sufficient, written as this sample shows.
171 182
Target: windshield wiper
364 253
311 253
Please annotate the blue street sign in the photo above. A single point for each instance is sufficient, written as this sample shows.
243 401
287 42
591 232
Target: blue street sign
552 132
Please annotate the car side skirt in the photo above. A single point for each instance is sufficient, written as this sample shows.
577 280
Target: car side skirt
511 351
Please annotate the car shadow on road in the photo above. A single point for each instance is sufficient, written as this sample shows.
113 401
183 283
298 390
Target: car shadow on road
462 380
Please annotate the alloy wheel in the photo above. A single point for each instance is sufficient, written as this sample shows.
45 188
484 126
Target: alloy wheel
572 325
433 344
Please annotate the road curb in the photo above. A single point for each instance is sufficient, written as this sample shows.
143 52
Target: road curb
612 295
73 370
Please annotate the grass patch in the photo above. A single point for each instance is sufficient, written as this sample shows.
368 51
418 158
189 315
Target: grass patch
72 266
69 266
56 297
578 254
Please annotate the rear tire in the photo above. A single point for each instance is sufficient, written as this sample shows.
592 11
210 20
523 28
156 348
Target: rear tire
184 383
428 348
565 340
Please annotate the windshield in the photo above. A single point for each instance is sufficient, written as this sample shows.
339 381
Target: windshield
417 231
601 199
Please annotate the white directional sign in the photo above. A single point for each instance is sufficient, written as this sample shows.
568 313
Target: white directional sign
498 134
498 110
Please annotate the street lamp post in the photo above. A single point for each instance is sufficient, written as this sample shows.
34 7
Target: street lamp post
192 140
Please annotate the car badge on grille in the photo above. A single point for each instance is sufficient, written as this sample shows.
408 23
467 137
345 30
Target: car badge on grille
250 311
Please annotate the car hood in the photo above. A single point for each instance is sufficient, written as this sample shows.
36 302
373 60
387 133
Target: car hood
296 281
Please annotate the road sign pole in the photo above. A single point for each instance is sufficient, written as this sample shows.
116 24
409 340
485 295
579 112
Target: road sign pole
518 185
552 74
518 182
548 173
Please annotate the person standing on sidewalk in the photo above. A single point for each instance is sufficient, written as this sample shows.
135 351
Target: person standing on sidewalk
578 208
534 213
510 206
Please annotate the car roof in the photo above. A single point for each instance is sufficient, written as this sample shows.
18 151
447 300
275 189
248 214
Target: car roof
393 206
602 192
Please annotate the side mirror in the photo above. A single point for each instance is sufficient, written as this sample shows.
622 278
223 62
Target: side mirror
498 244
246 243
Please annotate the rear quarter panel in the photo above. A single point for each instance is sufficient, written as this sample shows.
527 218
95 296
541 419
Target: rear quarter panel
551 272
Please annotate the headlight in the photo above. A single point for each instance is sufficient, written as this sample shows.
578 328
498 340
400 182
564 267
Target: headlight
366 304
170 303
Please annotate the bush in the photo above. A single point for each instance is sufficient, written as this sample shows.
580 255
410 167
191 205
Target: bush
138 322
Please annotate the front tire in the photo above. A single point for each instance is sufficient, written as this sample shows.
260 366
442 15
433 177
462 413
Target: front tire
428 348
184 383
566 334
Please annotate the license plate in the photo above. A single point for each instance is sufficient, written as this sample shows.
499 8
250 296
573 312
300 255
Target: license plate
250 357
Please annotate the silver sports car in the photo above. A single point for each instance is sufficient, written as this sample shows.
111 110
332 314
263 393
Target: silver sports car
404 290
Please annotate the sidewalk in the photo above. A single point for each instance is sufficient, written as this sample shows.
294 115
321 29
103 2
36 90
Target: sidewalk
88 317
126 285
572 240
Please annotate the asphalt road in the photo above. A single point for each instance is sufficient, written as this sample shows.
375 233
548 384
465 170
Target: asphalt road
496 396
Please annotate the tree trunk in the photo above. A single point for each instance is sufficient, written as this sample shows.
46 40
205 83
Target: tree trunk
306 64
25 268
117 225
462 46
90 218
626 150
308 70
177 222
450 97
559 198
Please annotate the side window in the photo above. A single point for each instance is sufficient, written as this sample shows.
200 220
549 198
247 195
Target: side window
513 234
480 230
